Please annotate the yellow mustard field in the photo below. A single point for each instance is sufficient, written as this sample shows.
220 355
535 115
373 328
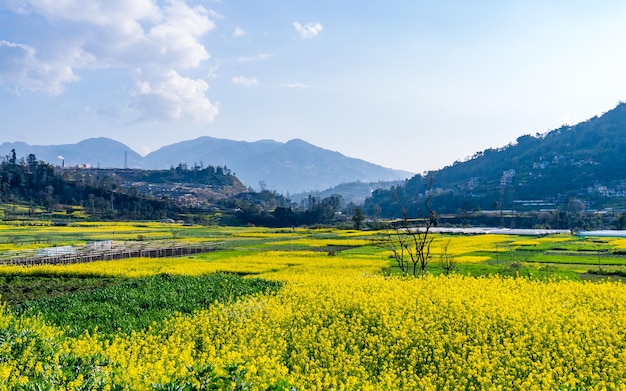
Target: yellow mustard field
338 323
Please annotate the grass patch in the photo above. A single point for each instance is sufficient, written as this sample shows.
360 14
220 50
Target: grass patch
582 259
136 304
17 289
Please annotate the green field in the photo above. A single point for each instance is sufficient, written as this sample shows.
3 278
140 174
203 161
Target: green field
313 308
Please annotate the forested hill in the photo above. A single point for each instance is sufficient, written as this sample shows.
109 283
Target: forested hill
112 194
584 163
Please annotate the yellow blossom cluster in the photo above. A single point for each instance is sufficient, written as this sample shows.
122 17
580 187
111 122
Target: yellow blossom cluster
338 324
617 243
463 244
272 263
326 332
327 242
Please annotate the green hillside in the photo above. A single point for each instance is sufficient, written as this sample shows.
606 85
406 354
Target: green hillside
574 167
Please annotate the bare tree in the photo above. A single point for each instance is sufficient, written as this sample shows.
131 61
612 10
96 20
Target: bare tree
448 263
410 240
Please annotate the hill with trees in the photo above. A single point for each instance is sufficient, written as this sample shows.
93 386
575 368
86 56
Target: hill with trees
31 189
108 193
566 171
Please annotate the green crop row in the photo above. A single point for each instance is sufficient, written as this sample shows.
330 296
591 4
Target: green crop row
129 305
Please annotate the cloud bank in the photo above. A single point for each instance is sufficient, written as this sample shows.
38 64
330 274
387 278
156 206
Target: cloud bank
169 96
21 68
162 36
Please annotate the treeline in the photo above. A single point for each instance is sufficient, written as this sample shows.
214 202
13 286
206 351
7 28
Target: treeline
39 184
492 210
215 176
270 209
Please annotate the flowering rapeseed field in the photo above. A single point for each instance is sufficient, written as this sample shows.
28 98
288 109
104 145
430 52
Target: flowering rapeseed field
338 323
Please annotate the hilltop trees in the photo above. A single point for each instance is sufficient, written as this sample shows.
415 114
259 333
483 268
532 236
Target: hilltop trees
35 182
282 213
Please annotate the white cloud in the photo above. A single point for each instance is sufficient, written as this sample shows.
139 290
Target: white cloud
166 96
309 30
177 37
258 57
91 34
245 81
20 68
212 72
96 12
238 32
297 85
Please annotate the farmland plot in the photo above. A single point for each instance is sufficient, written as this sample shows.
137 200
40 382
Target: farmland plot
339 320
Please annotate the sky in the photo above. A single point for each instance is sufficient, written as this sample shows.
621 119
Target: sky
411 85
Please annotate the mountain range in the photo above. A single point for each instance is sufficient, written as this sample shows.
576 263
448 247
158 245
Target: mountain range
294 166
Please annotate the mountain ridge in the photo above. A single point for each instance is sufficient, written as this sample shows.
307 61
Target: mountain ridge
564 171
293 166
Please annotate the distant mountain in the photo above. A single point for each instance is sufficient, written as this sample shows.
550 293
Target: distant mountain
207 151
294 166
353 192
97 152
569 169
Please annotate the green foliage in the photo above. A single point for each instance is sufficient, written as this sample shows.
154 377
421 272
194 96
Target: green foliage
137 304
204 377
357 218
218 177
273 210
17 289
21 343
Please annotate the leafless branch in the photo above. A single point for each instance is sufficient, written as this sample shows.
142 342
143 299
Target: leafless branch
411 244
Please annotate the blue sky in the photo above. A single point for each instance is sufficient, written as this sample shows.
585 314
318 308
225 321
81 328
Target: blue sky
412 85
